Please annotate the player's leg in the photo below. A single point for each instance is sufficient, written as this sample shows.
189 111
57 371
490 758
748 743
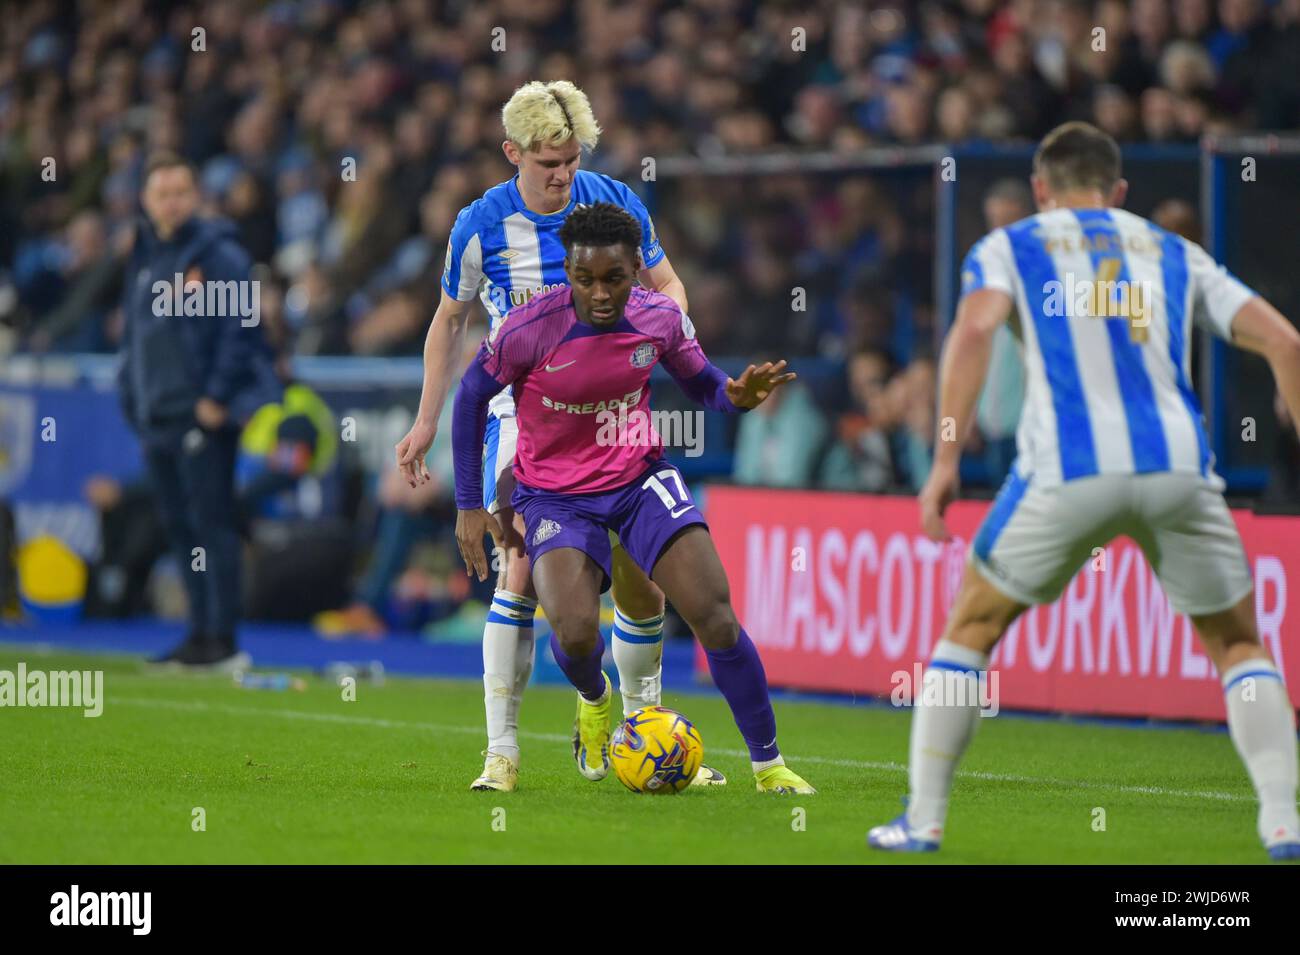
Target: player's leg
568 545
638 643
691 575
1261 720
1193 545
508 647
942 731
569 583
662 530
1032 541
638 637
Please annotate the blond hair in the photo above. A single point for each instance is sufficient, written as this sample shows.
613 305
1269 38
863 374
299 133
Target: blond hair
540 114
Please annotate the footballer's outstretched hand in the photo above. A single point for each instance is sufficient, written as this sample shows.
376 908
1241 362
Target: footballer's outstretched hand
412 449
753 387
471 527
939 491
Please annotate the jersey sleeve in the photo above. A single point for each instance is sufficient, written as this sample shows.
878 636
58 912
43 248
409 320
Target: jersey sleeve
463 270
700 380
682 356
1217 294
989 264
510 351
651 252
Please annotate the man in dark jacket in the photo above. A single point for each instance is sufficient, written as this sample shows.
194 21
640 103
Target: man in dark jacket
195 368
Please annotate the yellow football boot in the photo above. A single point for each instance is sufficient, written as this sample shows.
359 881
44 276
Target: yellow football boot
591 735
782 779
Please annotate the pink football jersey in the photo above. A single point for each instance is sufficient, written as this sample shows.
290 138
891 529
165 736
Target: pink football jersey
582 391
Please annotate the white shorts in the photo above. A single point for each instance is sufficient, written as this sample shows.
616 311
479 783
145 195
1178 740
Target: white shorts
499 442
1034 539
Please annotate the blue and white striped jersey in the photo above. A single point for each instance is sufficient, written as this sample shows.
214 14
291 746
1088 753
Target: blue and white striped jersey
1104 304
505 253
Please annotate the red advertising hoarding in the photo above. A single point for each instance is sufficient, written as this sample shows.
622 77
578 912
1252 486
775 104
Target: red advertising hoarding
842 591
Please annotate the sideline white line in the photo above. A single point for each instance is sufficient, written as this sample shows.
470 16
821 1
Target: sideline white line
891 767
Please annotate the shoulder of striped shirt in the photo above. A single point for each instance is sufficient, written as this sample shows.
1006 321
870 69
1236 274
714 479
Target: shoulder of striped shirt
489 208
616 190
600 179
986 241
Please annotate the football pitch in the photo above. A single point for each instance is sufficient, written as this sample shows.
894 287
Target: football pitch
307 777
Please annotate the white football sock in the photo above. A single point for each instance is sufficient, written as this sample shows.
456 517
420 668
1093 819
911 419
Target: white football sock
1261 723
507 665
758 767
638 654
525 654
941 733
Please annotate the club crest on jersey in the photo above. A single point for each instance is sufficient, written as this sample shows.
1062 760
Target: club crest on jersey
644 355
545 531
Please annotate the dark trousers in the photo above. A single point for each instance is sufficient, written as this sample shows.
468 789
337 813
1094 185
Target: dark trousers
131 541
193 476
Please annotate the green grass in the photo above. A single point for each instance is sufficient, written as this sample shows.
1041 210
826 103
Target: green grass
304 777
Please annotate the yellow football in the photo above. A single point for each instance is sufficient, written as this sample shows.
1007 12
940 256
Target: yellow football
656 750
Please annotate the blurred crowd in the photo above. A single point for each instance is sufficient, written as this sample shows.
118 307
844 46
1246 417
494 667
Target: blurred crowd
342 137
873 428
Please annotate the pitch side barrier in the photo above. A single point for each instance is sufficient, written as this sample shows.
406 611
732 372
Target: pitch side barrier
843 593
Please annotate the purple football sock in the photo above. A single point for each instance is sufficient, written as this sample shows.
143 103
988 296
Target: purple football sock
583 672
738 673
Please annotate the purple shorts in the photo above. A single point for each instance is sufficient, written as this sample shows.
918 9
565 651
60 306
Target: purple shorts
645 514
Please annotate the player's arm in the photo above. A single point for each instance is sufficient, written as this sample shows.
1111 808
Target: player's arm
1236 313
962 370
503 359
712 388
442 349
658 272
1260 328
663 278
708 385
468 426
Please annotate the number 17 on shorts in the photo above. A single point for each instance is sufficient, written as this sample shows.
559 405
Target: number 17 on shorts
660 506
670 487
